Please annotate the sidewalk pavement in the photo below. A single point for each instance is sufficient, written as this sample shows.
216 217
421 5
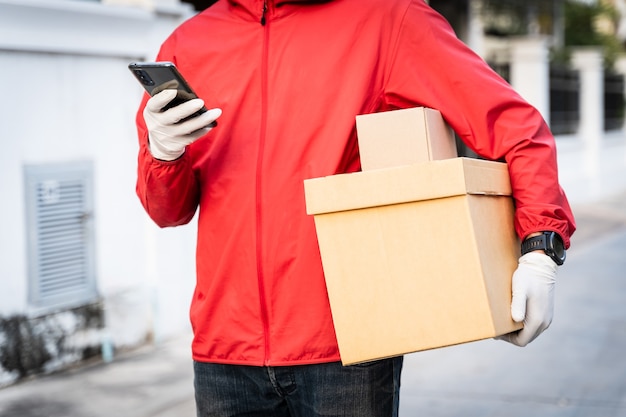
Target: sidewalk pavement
576 368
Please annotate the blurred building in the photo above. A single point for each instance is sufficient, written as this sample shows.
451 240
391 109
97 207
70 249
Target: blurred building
84 273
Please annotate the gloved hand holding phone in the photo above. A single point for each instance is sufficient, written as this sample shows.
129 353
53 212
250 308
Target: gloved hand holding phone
171 130
533 297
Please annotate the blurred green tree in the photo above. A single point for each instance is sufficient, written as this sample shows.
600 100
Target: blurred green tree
569 22
593 24
521 17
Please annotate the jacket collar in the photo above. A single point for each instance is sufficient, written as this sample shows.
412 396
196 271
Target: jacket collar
258 4
270 2
256 7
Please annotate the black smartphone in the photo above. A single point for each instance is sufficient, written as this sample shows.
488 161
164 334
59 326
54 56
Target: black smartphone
158 76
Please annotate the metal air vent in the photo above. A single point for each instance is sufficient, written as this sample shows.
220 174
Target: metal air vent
60 233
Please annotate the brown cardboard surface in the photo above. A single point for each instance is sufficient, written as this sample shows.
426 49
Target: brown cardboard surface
403 137
416 257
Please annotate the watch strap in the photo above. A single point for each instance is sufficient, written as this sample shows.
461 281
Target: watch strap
539 242
550 242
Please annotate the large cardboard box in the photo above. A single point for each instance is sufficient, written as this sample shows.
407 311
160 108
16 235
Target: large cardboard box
403 137
416 257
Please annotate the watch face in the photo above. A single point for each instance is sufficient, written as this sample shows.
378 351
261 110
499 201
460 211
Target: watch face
558 248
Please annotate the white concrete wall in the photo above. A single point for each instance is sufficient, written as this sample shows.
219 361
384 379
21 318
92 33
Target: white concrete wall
68 95
530 72
592 163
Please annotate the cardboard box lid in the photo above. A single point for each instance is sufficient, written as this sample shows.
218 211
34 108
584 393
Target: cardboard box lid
420 181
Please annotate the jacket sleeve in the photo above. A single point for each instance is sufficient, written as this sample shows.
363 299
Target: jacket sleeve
168 190
432 68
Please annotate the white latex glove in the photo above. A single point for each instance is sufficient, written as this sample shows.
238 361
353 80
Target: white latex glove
533 297
168 138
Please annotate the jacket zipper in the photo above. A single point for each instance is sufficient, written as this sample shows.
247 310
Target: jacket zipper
263 21
259 188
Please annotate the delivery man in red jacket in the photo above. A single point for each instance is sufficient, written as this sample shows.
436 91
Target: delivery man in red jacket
286 79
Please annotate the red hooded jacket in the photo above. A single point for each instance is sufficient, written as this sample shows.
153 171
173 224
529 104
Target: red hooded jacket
290 77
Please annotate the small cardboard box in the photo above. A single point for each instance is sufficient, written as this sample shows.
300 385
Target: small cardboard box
416 257
403 137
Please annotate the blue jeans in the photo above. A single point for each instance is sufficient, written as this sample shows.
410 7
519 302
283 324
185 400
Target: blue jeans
327 389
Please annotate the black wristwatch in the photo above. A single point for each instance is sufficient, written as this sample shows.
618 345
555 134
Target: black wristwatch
550 242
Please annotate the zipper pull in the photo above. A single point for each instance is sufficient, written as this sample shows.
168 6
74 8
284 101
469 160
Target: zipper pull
263 14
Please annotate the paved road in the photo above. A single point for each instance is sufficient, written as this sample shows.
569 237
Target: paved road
577 368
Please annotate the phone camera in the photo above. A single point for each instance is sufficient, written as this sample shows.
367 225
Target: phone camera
143 77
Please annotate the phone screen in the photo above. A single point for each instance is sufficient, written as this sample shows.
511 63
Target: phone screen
158 76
